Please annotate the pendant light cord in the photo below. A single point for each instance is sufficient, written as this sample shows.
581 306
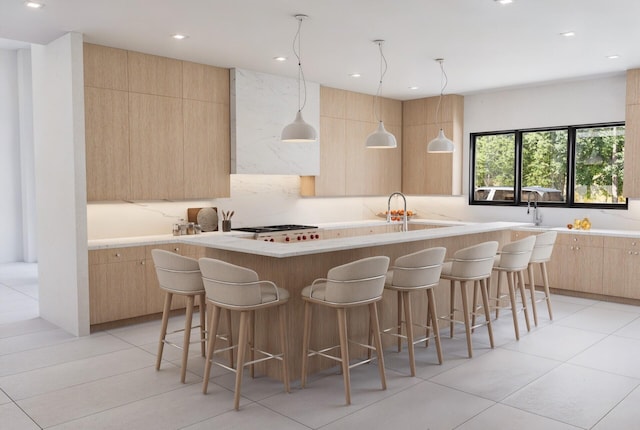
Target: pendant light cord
383 72
297 53
443 85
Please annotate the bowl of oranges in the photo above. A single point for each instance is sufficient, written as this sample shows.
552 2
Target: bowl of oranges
397 214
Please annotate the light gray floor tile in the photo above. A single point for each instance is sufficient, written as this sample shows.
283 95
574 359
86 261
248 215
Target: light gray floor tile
618 307
502 417
551 342
23 327
149 332
254 389
4 398
11 417
171 410
613 354
322 401
252 416
598 319
67 349
572 299
496 375
564 308
52 378
573 395
36 340
631 330
425 406
624 416
100 395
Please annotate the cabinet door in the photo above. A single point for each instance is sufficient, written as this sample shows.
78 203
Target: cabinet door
576 268
151 74
156 142
116 291
107 144
632 136
206 149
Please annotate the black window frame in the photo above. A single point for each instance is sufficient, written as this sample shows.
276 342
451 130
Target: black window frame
571 160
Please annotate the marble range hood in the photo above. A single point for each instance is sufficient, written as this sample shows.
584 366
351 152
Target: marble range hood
261 105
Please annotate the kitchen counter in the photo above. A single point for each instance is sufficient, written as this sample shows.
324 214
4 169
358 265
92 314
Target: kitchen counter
593 231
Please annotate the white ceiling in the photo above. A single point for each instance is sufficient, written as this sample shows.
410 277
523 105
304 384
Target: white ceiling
485 45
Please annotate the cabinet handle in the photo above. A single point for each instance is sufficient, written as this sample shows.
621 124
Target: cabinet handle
630 252
635 253
117 254
575 239
633 244
176 249
142 262
571 247
577 248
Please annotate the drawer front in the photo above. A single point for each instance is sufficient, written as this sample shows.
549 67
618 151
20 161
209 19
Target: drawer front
192 251
580 239
114 255
629 243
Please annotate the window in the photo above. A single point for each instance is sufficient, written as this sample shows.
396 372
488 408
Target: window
576 166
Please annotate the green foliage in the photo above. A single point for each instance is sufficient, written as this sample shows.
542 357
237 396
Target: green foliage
495 160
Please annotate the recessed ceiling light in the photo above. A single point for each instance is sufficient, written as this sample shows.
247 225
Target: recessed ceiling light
568 34
280 59
613 57
179 36
34 4
504 1
355 75
414 88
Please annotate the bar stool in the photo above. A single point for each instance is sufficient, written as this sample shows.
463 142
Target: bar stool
179 275
238 289
472 264
359 283
419 271
541 254
513 261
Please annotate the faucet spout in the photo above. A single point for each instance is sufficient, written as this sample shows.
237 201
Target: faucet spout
537 217
404 214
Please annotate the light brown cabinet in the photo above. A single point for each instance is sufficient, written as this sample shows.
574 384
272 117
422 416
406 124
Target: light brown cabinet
156 128
632 136
116 284
362 231
622 267
422 172
347 167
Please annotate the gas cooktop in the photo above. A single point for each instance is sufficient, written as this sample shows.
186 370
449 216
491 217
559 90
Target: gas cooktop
274 228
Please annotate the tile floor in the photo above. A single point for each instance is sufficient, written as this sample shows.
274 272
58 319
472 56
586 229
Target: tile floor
578 372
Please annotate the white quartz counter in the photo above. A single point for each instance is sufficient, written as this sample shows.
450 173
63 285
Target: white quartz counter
593 231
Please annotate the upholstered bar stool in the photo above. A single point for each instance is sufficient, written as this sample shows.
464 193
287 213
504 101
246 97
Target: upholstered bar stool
419 271
238 289
541 254
359 283
472 264
179 275
513 261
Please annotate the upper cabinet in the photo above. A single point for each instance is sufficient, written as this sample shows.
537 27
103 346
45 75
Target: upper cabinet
422 172
632 136
156 128
347 167
262 105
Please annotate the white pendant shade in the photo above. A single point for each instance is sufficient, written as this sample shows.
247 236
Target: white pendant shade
440 144
381 138
299 131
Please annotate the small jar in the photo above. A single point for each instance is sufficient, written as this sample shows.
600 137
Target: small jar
191 229
176 229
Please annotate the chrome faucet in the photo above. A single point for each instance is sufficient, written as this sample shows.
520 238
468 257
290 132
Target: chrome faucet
404 214
537 217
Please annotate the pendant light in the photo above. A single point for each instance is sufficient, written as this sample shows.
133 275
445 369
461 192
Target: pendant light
441 143
299 130
380 138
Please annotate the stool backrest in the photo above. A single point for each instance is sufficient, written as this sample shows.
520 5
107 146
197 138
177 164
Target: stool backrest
544 246
177 272
516 255
230 284
357 281
474 262
419 269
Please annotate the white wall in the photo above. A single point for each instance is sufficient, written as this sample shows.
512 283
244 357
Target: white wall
11 203
58 118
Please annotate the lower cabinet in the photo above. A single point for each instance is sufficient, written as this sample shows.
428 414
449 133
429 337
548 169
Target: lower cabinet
622 267
361 231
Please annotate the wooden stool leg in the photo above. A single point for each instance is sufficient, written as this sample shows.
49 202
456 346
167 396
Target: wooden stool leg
465 312
512 298
306 333
213 330
545 281
475 306
187 337
344 352
452 301
399 319
532 292
163 330
487 313
427 331
523 296
202 305
242 347
498 293
373 315
229 338
434 322
252 334
408 318
282 319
